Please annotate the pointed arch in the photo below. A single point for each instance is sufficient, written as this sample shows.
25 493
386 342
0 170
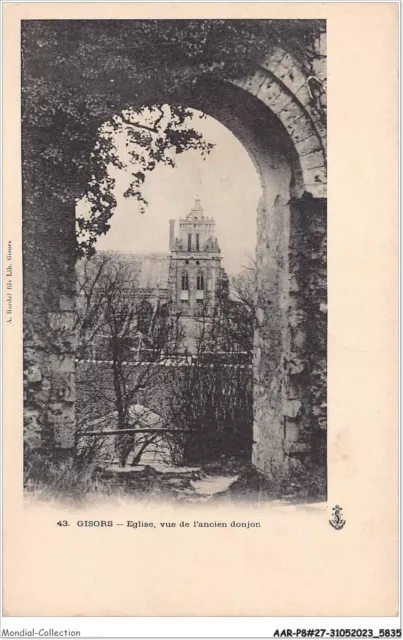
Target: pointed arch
185 281
200 281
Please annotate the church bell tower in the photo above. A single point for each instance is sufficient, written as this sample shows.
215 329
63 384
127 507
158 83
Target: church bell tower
195 264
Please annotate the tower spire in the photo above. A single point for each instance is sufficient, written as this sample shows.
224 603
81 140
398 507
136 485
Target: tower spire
197 209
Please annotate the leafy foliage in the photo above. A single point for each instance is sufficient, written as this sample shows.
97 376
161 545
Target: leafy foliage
83 80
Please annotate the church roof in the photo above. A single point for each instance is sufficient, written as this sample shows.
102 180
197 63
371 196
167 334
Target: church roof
151 270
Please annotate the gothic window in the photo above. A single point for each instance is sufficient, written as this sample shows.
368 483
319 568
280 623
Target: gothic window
163 311
197 242
200 282
144 317
200 287
189 242
185 287
162 320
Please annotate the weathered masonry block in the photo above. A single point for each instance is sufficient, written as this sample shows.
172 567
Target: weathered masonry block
49 325
290 381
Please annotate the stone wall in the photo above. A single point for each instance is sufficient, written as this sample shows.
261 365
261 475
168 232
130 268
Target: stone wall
49 322
290 364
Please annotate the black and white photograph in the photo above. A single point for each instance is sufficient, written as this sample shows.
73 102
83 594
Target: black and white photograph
200 329
174 239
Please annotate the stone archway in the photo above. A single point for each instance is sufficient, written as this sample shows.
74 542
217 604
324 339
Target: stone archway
288 151
277 113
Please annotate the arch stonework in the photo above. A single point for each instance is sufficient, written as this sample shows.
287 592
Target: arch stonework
278 115
298 116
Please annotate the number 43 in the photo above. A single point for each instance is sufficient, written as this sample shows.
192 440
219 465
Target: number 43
62 523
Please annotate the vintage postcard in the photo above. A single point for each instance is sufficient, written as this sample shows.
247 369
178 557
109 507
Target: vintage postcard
200 324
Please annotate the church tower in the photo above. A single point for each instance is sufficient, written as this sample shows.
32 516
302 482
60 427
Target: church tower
195 273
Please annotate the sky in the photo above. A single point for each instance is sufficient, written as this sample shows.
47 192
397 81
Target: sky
225 181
